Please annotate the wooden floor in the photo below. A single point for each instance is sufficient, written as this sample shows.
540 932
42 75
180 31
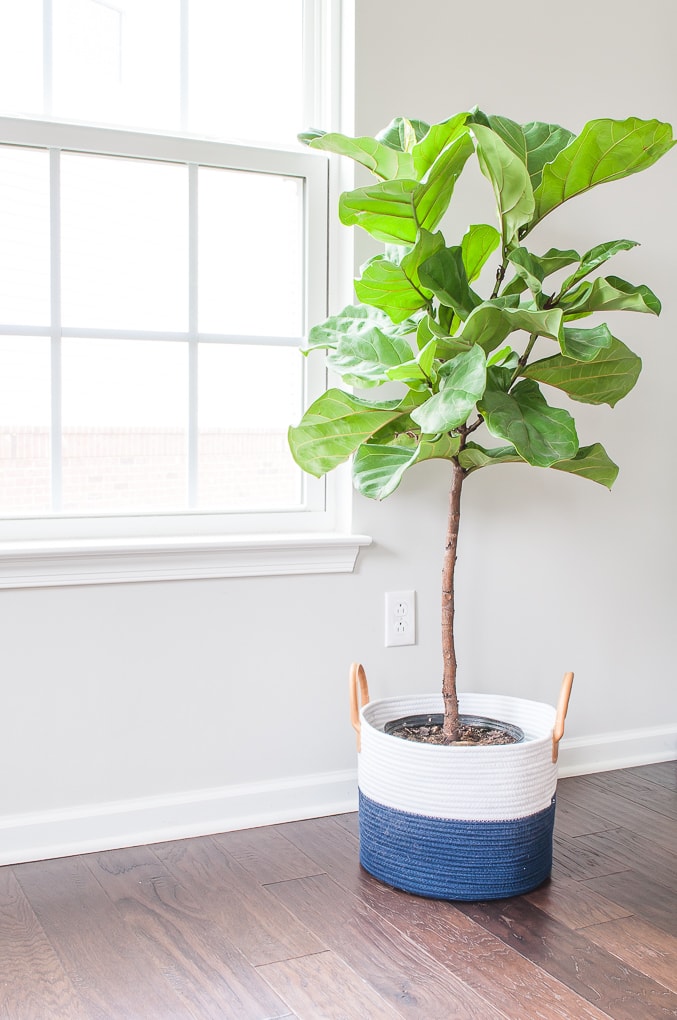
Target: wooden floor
282 922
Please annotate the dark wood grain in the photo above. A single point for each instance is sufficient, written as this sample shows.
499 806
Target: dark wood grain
262 928
511 983
324 986
403 973
282 921
197 956
33 983
596 975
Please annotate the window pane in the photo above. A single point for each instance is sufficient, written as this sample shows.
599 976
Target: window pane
24 425
250 253
124 425
246 69
117 62
24 236
124 228
21 91
248 396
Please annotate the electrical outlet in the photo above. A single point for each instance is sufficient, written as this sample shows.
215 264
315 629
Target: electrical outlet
400 618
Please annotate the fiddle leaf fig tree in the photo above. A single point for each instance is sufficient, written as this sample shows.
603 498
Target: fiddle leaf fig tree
473 370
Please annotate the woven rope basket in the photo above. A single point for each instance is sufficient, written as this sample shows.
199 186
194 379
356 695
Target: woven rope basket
457 822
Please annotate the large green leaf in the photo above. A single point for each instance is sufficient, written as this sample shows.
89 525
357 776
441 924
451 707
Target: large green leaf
474 457
403 134
463 380
596 257
431 199
419 373
444 274
585 344
535 143
384 210
510 180
490 323
553 260
529 268
385 285
541 434
610 293
354 321
378 469
591 462
479 242
334 426
605 150
383 161
436 139
605 380
364 360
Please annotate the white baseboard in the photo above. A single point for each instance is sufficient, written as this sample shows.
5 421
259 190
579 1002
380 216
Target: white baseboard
623 749
95 827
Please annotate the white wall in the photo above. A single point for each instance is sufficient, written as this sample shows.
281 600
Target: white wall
143 694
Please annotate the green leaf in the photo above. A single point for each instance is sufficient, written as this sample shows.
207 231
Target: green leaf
489 324
551 262
596 257
479 242
384 161
605 380
606 294
353 321
585 344
403 134
436 139
378 469
591 462
535 143
510 180
605 150
431 199
463 380
334 426
364 360
419 372
444 274
541 434
385 285
384 210
474 457
529 268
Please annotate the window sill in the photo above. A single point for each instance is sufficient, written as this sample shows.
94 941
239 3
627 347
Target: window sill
41 564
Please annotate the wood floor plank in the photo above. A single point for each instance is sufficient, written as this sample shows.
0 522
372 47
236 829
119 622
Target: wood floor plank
401 972
323 987
596 975
206 970
640 944
99 952
617 811
573 859
507 980
574 905
261 927
266 854
664 773
638 790
649 900
628 848
574 820
33 983
350 821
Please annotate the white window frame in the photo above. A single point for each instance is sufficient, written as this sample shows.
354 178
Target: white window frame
91 549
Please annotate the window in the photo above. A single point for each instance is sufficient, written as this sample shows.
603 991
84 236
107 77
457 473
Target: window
163 247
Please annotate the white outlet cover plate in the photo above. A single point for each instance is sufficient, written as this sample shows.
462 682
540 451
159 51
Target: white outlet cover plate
400 618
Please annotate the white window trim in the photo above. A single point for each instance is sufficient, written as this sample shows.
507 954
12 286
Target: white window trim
193 546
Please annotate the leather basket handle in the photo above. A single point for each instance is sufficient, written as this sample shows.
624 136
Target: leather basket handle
562 706
358 692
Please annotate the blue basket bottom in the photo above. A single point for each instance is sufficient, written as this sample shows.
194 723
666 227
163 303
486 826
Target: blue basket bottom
455 860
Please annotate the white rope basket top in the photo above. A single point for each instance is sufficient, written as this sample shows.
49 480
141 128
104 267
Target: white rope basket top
492 783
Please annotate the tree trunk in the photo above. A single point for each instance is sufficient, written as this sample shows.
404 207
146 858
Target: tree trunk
450 728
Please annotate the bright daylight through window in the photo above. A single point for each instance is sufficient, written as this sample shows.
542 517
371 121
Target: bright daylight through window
163 247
